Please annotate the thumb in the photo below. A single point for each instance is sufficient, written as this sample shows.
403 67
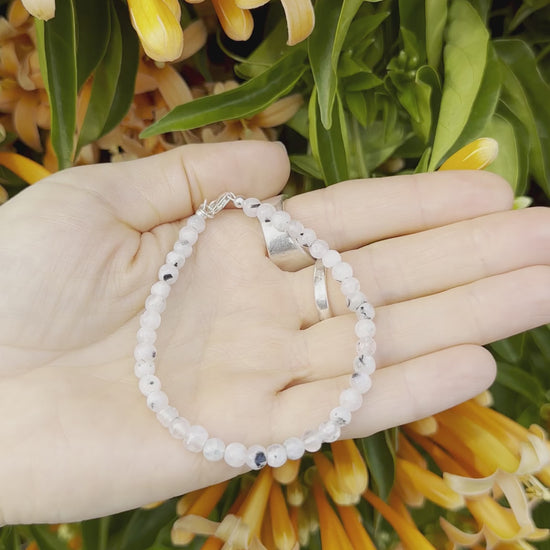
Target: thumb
170 186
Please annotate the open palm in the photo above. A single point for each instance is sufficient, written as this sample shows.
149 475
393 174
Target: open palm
241 349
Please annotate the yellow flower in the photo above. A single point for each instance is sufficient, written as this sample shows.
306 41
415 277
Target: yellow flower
157 23
484 455
237 21
42 9
475 156
23 167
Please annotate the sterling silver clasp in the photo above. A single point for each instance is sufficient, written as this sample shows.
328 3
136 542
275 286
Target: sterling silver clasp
210 209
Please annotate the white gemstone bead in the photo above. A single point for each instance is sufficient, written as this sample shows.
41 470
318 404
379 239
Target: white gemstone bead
256 457
250 208
366 346
280 220
161 288
318 248
340 416
179 427
145 352
166 415
141 368
361 382
188 235
365 328
150 319
342 271
294 448
198 223
146 336
355 300
349 286
235 453
183 249
195 439
265 211
351 399
365 311
364 363
331 258
175 258
295 228
329 430
306 238
149 384
168 273
157 400
276 455
312 441
213 449
155 303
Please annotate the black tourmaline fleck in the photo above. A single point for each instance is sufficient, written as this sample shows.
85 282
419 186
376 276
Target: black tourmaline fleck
167 277
260 460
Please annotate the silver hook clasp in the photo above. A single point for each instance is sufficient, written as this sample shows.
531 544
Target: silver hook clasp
210 209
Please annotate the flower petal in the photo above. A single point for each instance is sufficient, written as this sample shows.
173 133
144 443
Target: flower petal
42 9
300 19
475 156
158 28
236 23
430 485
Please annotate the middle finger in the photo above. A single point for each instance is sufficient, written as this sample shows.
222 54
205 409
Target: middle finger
421 264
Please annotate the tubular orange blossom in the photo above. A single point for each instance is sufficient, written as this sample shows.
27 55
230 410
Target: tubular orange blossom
410 536
333 536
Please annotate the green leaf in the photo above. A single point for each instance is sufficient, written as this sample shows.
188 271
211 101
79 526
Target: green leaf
9 538
357 105
362 27
485 102
271 49
57 52
412 20
379 452
512 162
242 102
541 337
526 94
93 27
329 146
507 164
124 93
144 526
332 21
45 539
362 81
422 165
465 57
520 381
306 165
104 87
436 20
95 533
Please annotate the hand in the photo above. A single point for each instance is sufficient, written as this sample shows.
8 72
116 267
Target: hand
240 350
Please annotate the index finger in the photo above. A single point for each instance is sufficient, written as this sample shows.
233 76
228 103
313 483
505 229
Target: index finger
357 212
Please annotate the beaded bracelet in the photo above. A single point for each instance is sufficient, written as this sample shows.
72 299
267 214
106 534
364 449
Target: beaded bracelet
195 437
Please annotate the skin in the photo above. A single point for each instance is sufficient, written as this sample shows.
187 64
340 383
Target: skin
445 261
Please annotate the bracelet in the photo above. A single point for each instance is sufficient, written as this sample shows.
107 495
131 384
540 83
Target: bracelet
196 438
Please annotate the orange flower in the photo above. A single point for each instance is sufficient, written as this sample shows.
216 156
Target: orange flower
22 94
